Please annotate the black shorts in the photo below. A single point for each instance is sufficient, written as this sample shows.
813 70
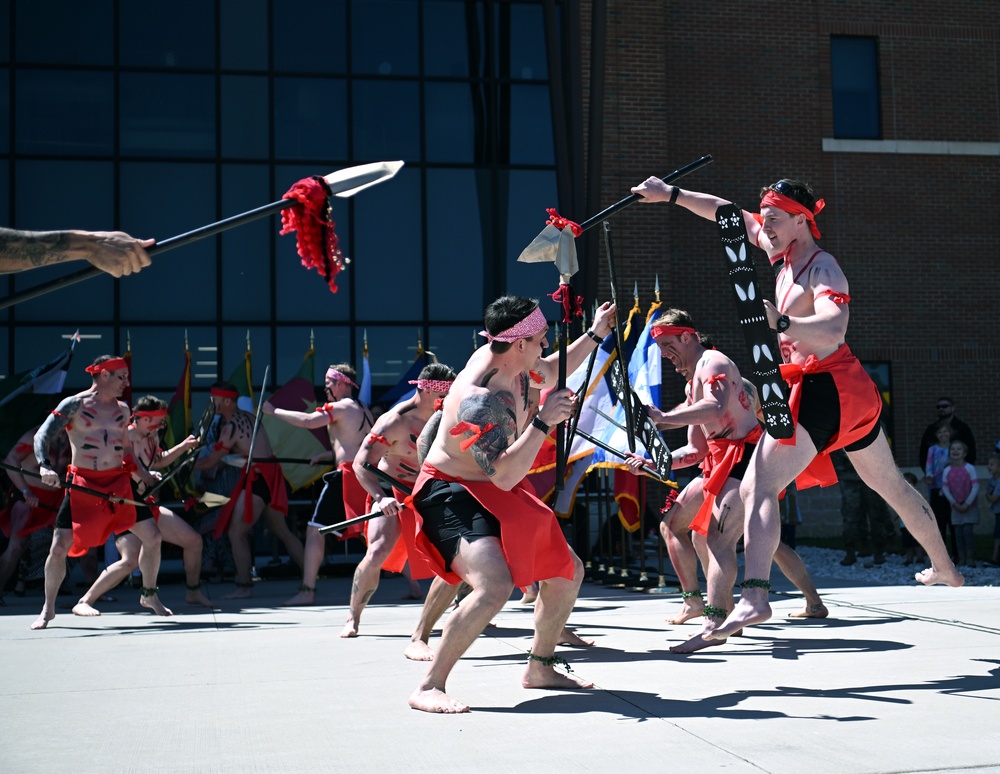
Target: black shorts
330 505
451 514
740 468
819 413
64 518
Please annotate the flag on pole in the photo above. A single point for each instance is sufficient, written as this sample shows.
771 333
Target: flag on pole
26 397
179 407
403 388
365 391
297 394
242 377
127 357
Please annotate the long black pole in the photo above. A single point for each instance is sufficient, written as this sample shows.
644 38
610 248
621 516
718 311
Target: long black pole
627 397
561 427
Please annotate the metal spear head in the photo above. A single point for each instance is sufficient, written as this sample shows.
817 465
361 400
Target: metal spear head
346 182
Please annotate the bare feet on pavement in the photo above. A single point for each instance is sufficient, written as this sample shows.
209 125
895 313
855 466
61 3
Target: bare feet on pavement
43 620
537 675
196 597
302 599
435 700
84 609
242 592
932 576
573 640
814 610
753 608
690 608
153 603
350 629
418 650
696 643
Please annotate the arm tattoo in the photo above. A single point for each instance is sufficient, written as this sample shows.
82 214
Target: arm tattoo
27 250
495 409
427 435
53 425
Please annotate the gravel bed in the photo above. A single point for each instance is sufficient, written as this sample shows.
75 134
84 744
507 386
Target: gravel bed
825 563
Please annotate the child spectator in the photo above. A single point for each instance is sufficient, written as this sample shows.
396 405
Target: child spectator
961 488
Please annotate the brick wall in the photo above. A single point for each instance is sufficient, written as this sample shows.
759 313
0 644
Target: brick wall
915 234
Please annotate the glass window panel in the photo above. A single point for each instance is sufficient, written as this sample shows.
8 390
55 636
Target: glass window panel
527 42
64 32
245 117
234 347
164 199
176 34
382 37
45 100
5 218
244 39
180 121
34 345
246 250
90 206
4 111
5 31
455 262
386 120
455 344
333 345
854 71
158 356
302 295
387 257
530 193
315 42
309 118
205 364
446 38
450 130
531 126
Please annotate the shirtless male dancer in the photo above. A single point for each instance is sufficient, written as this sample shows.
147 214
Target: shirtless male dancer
392 446
720 414
101 458
147 419
261 491
347 421
478 519
33 505
833 401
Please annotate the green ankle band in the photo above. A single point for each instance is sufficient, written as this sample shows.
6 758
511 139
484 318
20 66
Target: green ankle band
689 594
550 661
711 611
149 592
310 589
756 583
195 587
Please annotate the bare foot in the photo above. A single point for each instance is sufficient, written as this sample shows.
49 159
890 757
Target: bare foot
815 610
196 597
84 609
690 608
752 608
414 593
418 650
242 592
932 576
351 630
573 640
537 675
698 642
302 599
43 619
153 603
434 700
530 595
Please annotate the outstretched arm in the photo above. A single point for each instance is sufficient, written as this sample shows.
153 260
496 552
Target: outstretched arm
114 252
309 420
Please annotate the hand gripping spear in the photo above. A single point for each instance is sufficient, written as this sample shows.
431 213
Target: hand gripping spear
343 184
555 244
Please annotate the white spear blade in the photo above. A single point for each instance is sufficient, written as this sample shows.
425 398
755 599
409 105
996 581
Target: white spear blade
345 183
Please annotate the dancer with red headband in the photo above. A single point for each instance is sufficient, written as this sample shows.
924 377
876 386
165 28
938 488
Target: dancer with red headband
261 490
833 401
392 447
101 459
475 517
723 429
147 419
347 421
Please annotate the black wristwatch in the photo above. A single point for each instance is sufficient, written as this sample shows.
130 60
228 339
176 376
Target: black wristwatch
783 323
540 424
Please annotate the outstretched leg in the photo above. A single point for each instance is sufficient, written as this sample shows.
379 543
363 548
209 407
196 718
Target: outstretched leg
128 546
439 598
55 572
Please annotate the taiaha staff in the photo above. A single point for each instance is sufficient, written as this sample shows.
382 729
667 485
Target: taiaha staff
376 511
622 366
651 472
387 478
111 498
256 422
189 456
238 460
343 184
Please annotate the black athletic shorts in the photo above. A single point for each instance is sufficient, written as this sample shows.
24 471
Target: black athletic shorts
330 505
450 514
819 413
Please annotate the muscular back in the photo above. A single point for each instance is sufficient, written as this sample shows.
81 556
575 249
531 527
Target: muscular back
236 435
716 376
350 422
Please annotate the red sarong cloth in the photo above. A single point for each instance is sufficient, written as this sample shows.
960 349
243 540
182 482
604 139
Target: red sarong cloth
42 517
860 408
94 518
355 500
397 558
724 454
533 545
271 473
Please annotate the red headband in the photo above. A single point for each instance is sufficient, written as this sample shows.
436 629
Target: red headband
432 385
114 364
670 330
792 207
219 392
152 413
338 376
